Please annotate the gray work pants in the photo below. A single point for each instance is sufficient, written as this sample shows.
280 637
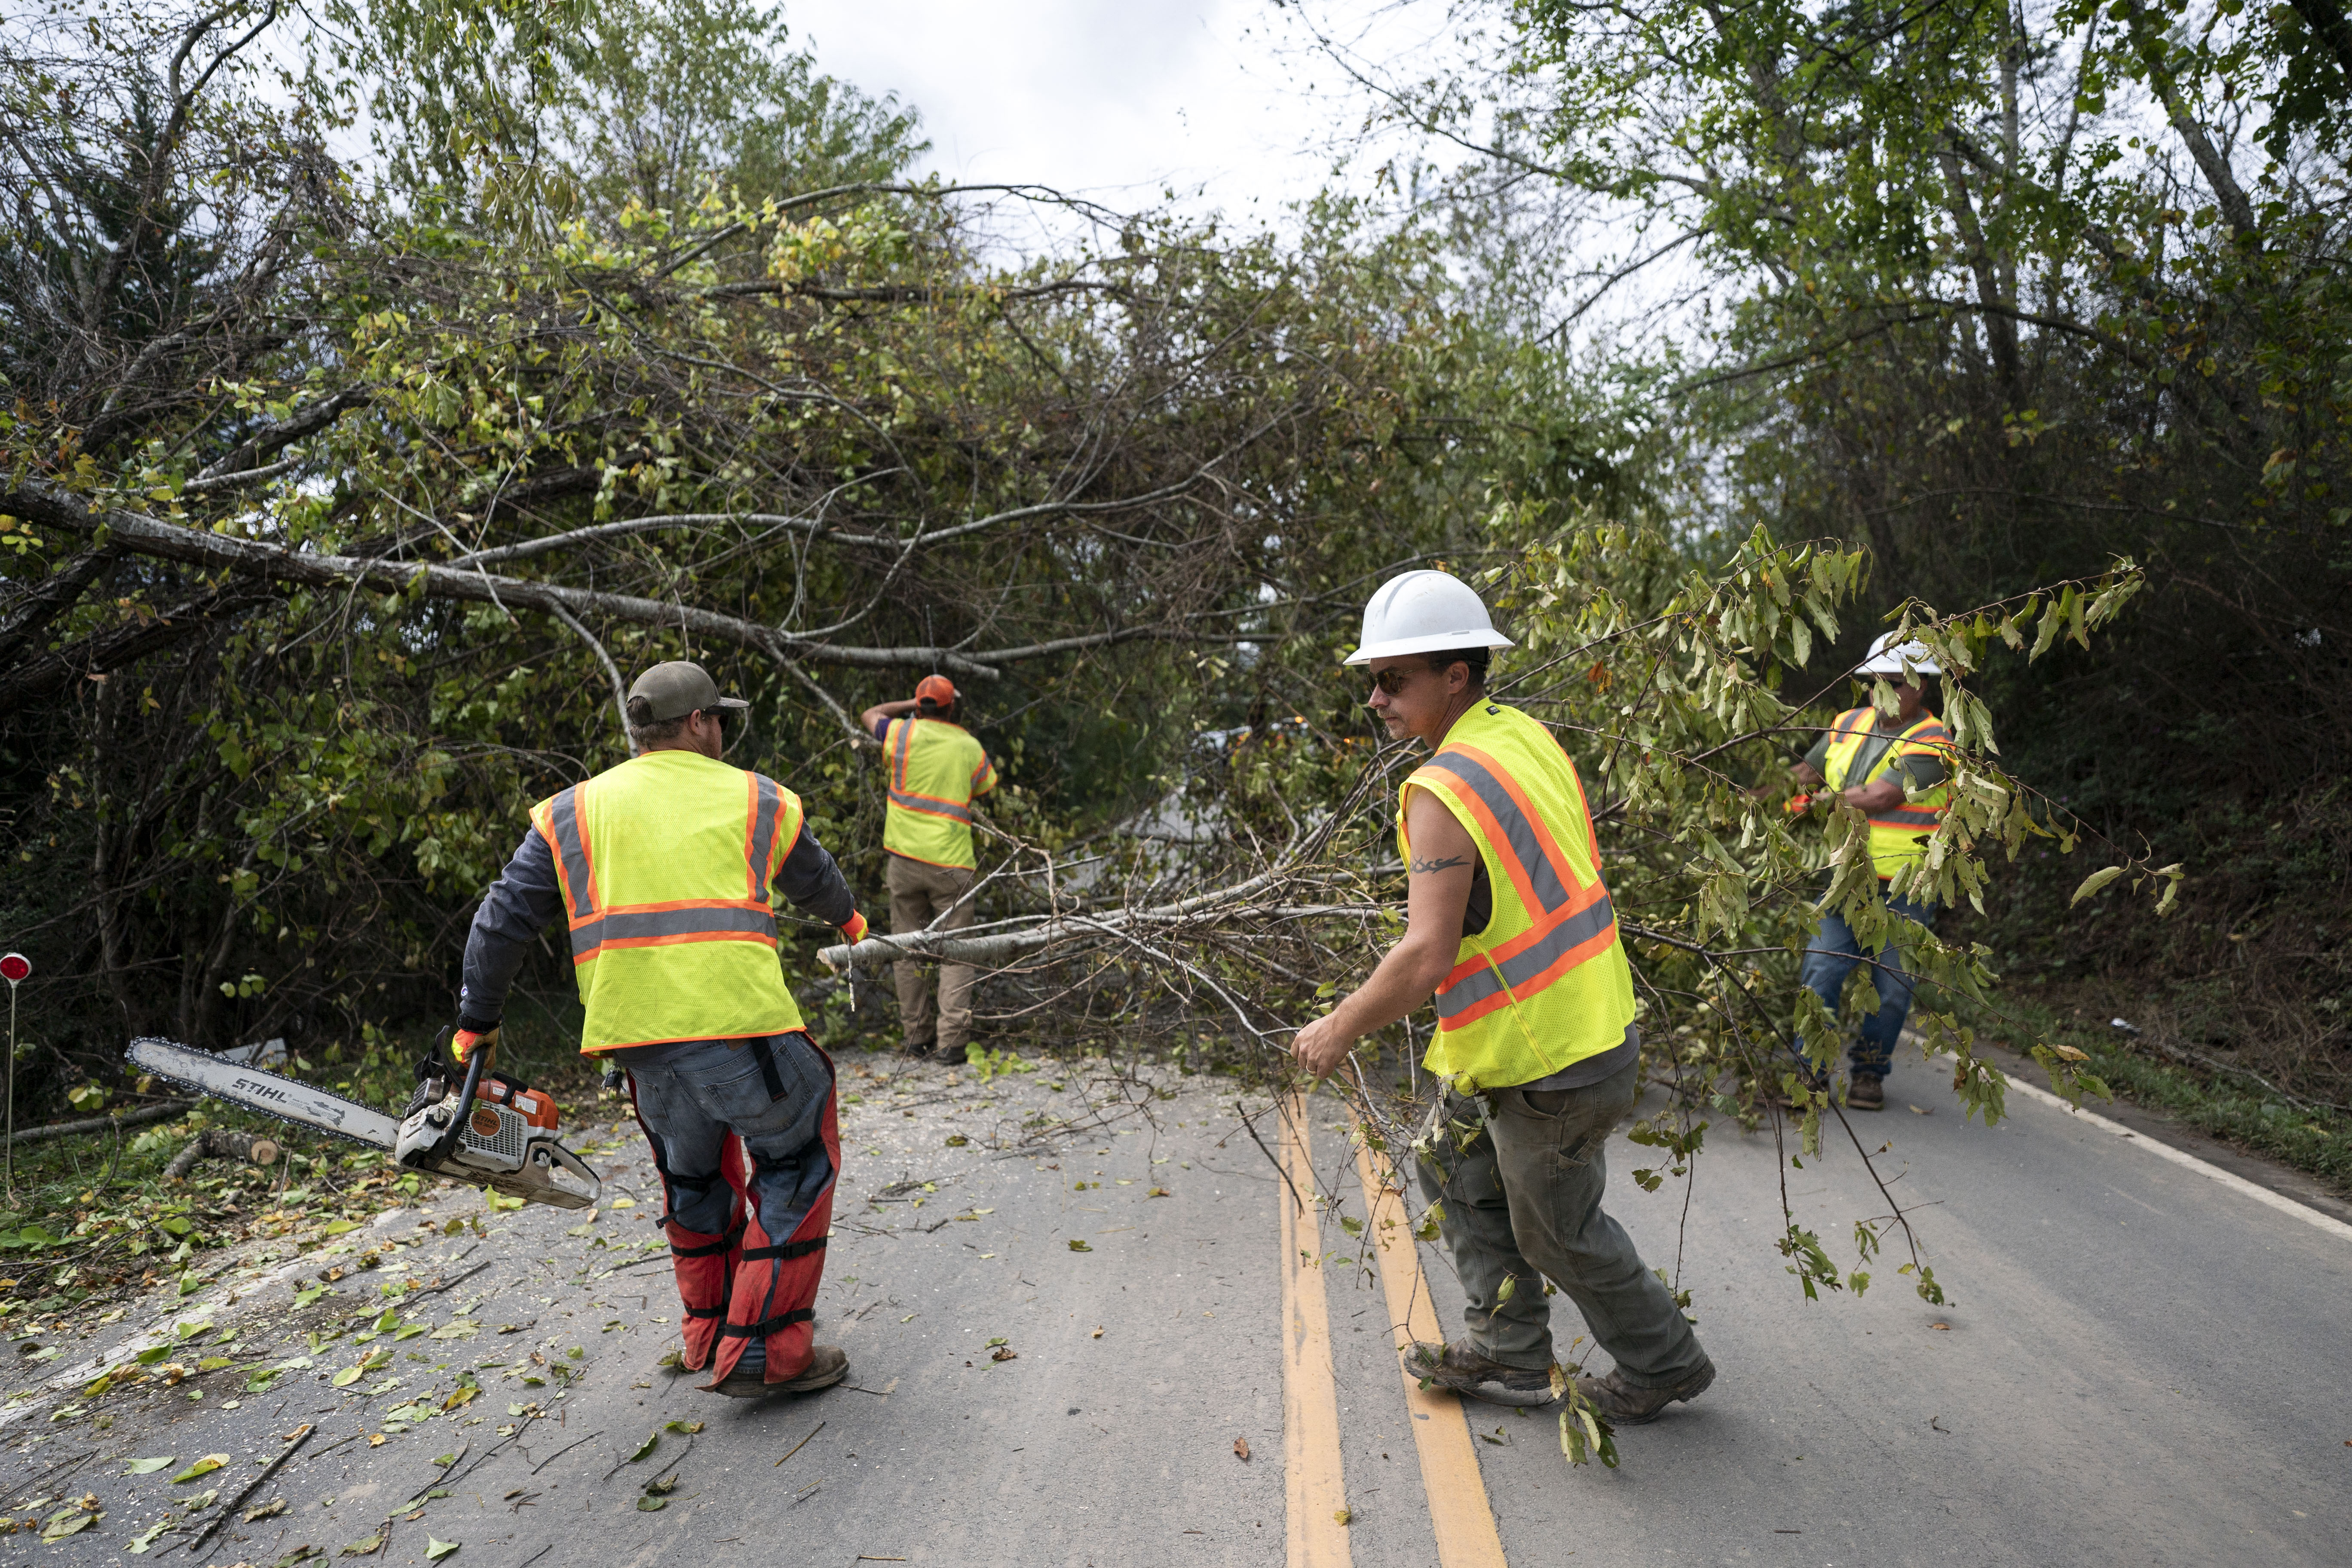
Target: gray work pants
1523 1202
920 892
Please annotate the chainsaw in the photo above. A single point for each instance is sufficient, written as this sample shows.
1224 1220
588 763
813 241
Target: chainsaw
482 1128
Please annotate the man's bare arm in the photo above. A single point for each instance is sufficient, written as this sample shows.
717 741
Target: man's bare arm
1437 895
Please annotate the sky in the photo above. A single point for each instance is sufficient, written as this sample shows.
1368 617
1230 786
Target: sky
1115 99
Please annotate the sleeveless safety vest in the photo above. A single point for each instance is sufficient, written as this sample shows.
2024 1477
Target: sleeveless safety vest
1547 984
666 863
1895 833
937 770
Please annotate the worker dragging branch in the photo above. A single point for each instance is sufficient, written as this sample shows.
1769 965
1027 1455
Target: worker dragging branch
664 869
1510 925
1890 767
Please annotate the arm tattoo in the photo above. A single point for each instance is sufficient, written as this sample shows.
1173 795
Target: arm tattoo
1419 867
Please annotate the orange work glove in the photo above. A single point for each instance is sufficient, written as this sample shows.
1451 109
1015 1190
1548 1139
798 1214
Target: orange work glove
465 1041
853 929
1799 805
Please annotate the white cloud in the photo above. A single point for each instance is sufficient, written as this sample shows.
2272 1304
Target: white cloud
1116 100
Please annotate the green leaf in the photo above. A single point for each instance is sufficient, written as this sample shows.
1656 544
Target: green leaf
437 1550
652 1504
337 1227
652 1441
70 1521
1077 1246
138 1544
366 1545
149 1466
203 1467
2094 882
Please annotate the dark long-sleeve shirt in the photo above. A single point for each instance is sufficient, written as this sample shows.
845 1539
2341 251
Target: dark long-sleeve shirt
527 898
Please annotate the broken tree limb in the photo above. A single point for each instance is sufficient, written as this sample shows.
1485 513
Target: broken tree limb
222 1143
42 503
815 527
950 947
166 1111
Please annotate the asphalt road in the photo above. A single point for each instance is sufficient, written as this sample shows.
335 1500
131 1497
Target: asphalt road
2140 1364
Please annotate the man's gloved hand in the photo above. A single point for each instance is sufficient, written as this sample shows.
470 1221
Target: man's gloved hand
1799 805
464 1042
853 929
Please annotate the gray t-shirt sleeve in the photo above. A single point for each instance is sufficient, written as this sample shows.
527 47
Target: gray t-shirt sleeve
1924 773
525 901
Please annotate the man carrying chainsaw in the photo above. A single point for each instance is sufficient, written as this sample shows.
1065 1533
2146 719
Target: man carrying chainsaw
662 868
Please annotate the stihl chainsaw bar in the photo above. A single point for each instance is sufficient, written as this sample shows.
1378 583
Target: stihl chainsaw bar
288 1099
499 1133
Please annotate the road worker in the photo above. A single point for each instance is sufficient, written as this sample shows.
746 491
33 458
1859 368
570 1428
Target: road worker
664 869
1509 924
1891 768
937 770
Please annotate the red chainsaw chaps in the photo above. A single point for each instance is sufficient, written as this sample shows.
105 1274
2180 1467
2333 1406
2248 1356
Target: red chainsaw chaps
772 1296
704 1264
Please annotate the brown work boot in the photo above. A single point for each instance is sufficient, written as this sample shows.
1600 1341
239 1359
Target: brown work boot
827 1366
1472 1372
1627 1403
1865 1091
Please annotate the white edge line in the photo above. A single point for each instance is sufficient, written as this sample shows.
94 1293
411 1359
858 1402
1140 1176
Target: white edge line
2163 1151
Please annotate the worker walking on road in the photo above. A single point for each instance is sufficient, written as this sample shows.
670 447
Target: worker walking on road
1891 768
1510 925
663 868
937 770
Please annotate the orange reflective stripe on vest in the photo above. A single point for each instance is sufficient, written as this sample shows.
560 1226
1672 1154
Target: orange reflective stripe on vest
929 805
1575 921
937 768
1545 983
593 930
1896 832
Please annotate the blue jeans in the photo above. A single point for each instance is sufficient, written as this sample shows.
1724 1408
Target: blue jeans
691 1094
1831 957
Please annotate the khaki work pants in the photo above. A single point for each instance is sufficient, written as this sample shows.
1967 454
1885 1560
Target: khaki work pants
920 894
1522 1201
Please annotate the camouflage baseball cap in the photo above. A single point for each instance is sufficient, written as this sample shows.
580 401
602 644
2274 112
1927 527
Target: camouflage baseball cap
681 687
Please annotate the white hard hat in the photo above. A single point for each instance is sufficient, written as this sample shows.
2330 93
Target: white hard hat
1888 657
1424 612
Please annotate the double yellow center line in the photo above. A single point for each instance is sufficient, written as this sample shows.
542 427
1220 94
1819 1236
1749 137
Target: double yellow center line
1317 1504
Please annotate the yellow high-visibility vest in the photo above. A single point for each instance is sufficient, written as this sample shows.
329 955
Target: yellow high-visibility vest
666 864
1547 984
1898 834
937 770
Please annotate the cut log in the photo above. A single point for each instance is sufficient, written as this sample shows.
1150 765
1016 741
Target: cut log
221 1143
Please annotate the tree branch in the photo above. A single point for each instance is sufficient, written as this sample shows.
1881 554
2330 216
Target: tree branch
42 503
611 670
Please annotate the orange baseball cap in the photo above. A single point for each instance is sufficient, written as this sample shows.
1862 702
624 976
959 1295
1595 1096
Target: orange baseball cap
937 689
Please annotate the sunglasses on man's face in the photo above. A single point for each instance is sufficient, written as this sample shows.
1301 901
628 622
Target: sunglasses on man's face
1393 680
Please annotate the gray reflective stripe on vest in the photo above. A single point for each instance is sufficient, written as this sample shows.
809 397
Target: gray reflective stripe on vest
765 799
1521 968
929 806
565 821
898 762
640 925
1923 816
1550 891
